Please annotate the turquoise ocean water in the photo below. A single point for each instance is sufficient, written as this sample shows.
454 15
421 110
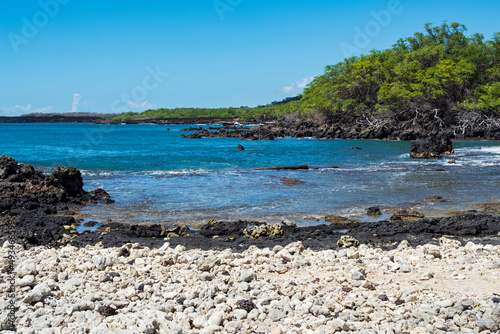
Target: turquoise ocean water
156 176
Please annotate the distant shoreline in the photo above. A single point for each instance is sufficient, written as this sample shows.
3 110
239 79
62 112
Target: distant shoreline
107 120
271 129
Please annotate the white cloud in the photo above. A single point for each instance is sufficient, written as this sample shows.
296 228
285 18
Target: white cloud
297 87
21 110
140 105
77 98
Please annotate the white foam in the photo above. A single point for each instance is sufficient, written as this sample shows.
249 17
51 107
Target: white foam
493 149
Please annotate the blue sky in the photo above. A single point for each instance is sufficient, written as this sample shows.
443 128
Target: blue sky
114 56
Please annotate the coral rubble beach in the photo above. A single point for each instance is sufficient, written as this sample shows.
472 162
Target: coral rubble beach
406 276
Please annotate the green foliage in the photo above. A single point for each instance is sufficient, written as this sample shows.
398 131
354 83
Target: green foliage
441 68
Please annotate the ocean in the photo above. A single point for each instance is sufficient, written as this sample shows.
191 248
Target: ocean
156 176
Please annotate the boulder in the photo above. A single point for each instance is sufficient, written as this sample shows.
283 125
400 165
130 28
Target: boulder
28 199
373 211
240 148
70 178
290 181
433 147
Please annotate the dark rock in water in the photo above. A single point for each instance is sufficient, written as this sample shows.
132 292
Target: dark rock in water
108 201
433 147
99 194
290 181
286 168
405 215
91 223
240 148
355 148
70 178
436 199
373 211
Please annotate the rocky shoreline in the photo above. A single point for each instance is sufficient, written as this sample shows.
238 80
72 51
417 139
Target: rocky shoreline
36 209
309 129
407 275
41 210
107 119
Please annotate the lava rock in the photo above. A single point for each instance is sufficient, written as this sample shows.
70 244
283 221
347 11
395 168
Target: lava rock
70 178
433 147
373 211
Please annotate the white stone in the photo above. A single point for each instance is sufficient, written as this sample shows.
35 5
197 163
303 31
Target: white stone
26 268
101 262
38 293
247 275
216 319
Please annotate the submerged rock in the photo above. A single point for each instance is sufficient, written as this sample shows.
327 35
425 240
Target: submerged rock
291 181
286 168
373 211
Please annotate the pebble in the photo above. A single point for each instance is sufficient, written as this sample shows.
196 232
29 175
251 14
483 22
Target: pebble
216 319
26 268
357 275
247 275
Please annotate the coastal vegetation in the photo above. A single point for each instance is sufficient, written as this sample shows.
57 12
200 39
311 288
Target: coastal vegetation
440 75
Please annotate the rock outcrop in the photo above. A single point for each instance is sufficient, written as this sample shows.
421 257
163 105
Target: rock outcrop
433 147
29 199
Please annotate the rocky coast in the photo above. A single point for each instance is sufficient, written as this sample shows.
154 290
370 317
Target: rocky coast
346 129
409 274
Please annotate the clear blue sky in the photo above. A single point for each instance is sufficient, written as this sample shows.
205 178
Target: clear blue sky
89 55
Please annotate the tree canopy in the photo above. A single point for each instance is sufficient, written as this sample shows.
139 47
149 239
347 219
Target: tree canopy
441 68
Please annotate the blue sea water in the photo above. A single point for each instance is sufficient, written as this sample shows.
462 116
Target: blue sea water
156 176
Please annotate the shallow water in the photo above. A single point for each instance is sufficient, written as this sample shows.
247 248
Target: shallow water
156 176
